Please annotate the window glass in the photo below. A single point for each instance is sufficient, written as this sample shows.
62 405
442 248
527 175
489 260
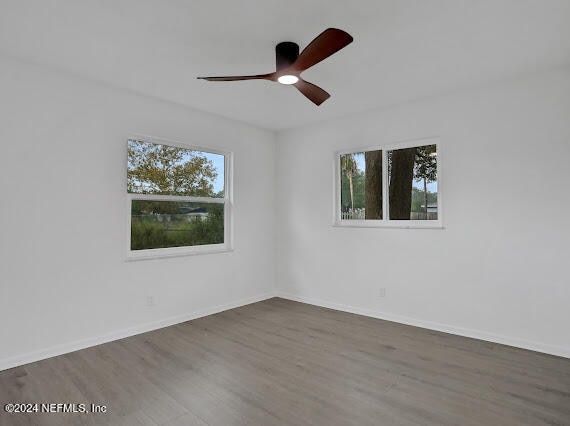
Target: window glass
413 183
361 185
161 224
171 170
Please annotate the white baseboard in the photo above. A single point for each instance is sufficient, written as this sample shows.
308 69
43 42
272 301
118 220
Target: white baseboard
475 334
64 348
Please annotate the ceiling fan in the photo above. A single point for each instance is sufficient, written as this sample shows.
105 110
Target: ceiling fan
291 63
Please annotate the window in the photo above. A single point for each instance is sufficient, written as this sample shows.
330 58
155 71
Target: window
389 186
178 199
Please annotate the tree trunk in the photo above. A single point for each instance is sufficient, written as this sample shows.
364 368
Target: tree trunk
373 184
349 176
425 197
402 174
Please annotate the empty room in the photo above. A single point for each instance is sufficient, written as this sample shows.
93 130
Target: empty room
285 213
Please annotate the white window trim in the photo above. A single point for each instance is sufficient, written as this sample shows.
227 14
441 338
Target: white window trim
385 222
227 201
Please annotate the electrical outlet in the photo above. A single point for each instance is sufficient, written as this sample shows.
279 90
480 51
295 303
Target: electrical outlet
150 301
382 292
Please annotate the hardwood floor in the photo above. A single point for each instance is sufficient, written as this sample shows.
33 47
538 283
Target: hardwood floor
279 362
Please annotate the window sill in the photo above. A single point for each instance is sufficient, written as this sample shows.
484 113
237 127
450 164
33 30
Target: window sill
387 224
162 253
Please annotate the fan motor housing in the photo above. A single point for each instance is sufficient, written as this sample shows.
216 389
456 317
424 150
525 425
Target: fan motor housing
286 54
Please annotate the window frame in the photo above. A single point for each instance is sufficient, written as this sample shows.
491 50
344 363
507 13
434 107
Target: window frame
226 201
385 222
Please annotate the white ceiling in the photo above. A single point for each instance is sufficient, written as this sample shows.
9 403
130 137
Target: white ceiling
402 50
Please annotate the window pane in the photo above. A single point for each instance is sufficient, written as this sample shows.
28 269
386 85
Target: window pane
413 183
171 170
160 224
361 185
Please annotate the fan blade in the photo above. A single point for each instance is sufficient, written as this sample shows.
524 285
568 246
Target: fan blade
324 45
270 76
314 93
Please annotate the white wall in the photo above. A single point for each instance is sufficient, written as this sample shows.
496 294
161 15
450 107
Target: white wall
499 269
64 279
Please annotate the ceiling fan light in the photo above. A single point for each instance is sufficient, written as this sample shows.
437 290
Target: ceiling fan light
288 79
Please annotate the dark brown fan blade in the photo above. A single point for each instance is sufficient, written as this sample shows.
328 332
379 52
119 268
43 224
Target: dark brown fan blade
270 76
324 45
314 93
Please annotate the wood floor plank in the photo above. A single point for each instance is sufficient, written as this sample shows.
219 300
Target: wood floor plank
188 419
279 362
